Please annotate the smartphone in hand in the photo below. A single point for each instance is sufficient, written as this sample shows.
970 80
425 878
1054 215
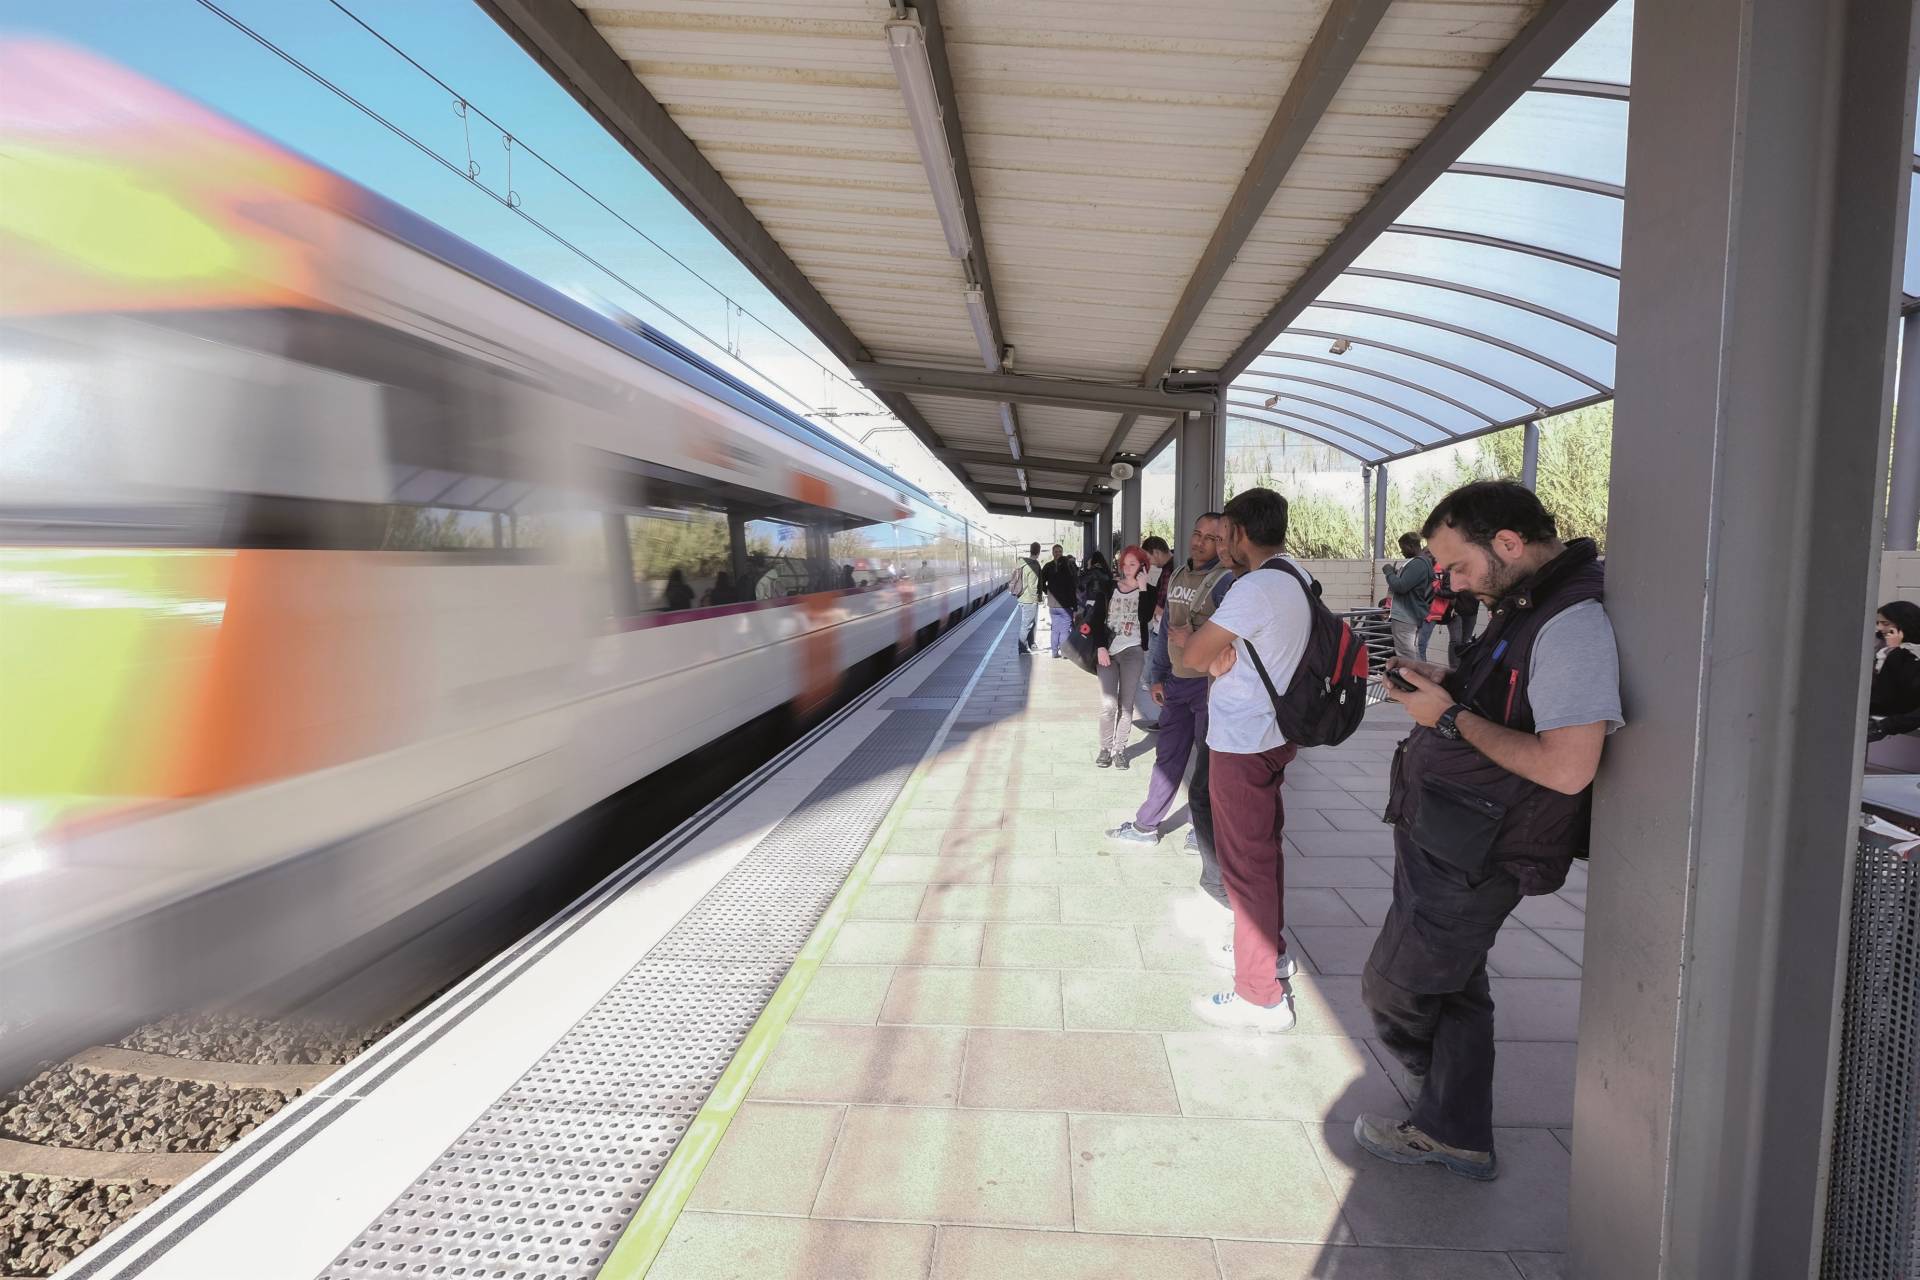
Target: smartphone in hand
1400 682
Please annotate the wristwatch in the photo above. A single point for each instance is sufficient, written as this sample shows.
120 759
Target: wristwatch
1445 725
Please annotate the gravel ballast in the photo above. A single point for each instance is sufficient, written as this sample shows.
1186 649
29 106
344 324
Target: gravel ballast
46 1222
72 1107
224 1037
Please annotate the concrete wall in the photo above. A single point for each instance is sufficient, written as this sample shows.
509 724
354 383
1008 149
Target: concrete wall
1899 577
1356 584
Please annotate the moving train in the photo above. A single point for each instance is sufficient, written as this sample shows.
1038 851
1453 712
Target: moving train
323 532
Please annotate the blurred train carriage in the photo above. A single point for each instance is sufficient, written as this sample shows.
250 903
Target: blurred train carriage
327 541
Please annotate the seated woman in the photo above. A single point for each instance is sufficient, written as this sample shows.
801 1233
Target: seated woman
1894 701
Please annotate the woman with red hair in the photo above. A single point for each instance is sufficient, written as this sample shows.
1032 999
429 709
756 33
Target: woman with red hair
1119 621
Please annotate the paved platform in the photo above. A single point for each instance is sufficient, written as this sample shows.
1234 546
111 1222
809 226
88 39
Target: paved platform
994 1072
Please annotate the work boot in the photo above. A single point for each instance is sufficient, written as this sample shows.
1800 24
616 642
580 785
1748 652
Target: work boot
1407 1143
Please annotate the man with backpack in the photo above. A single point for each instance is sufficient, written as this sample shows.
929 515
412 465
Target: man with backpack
1268 617
1489 803
1410 583
1190 597
1060 581
1025 588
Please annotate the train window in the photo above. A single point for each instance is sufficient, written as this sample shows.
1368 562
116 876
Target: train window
693 542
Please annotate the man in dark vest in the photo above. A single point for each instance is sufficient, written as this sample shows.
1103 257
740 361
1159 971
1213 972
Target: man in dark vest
1489 801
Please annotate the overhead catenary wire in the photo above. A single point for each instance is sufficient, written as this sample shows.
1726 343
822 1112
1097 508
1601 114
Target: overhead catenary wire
511 199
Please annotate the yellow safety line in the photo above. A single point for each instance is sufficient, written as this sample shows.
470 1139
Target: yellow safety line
634 1253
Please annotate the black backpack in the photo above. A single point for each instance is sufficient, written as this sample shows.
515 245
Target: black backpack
1327 697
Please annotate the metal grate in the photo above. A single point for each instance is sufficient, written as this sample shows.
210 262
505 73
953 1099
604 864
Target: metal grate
1873 1197
542 1184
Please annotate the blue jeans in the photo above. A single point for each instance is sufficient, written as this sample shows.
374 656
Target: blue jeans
1426 634
1060 621
1029 619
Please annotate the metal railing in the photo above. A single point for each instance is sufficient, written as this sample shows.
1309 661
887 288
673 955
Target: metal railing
1873 1193
1372 628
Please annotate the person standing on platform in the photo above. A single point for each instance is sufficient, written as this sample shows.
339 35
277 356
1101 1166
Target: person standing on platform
1160 556
1192 594
1461 620
1025 587
1119 619
1267 612
1060 582
1410 583
1489 801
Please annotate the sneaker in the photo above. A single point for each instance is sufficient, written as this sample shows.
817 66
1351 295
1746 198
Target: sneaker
1227 1009
1104 760
1132 834
1284 968
1193 840
1120 761
1151 726
1406 1143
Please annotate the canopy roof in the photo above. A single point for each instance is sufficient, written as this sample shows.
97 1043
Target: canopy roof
1040 233
1493 298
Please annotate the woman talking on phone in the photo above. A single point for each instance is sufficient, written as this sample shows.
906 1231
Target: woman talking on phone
1119 619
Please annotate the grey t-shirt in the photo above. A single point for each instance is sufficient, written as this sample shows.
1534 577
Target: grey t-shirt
1575 671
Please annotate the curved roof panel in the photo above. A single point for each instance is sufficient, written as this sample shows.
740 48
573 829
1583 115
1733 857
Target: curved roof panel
1494 297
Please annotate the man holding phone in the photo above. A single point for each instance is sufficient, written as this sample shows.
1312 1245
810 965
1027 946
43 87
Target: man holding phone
1489 801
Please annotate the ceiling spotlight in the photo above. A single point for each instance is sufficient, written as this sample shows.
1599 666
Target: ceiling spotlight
1340 346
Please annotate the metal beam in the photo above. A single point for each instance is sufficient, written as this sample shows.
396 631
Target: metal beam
1017 388
935 34
1287 421
1337 45
1516 173
1428 358
1065 466
1581 88
1292 398
1268 376
1511 246
1336 363
1538 46
1490 295
1387 313
1051 495
558 36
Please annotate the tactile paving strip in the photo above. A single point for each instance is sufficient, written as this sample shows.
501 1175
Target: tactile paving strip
541 1186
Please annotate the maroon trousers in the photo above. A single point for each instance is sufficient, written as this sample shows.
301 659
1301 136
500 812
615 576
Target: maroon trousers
1248 819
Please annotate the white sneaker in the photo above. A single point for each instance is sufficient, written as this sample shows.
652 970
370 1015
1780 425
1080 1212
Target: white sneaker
1222 957
1227 1009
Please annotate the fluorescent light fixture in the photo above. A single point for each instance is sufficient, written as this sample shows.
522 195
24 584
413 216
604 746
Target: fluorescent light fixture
1029 502
1007 424
982 331
1013 447
907 44
1022 473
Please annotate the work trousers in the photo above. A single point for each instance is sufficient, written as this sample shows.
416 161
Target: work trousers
1119 680
1183 722
1059 623
1426 986
1249 820
1406 637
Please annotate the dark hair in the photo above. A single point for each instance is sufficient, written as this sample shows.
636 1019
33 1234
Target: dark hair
1261 515
1409 544
1208 515
1480 510
1033 548
1905 615
1059 548
1096 561
1156 543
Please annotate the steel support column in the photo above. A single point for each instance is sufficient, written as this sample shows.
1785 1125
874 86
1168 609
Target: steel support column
1530 455
1103 530
1199 469
1130 510
1903 497
1380 551
1769 166
1366 514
